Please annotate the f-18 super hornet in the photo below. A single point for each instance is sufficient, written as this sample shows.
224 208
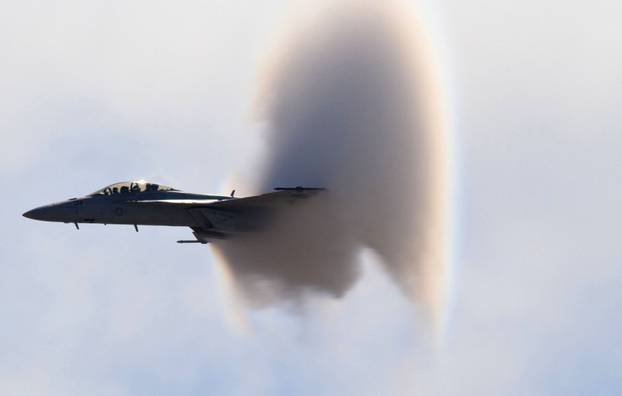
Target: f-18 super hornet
142 203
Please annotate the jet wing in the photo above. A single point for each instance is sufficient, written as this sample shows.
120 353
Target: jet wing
246 214
283 196
222 218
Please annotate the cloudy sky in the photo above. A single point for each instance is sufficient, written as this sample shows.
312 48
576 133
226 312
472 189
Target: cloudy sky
94 93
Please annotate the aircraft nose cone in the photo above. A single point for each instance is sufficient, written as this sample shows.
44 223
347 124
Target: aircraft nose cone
35 214
61 211
52 212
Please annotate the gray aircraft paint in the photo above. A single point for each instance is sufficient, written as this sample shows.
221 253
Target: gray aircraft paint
209 216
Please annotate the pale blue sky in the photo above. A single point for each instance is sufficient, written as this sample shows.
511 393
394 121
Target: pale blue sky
101 92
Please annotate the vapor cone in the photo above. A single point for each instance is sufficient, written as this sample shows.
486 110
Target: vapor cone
351 105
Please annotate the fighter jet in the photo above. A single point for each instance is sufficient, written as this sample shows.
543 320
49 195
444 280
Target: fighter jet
142 203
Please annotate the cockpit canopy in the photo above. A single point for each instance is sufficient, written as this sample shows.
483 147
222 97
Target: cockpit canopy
140 186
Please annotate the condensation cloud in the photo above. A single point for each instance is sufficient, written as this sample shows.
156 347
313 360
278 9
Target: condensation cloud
351 104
